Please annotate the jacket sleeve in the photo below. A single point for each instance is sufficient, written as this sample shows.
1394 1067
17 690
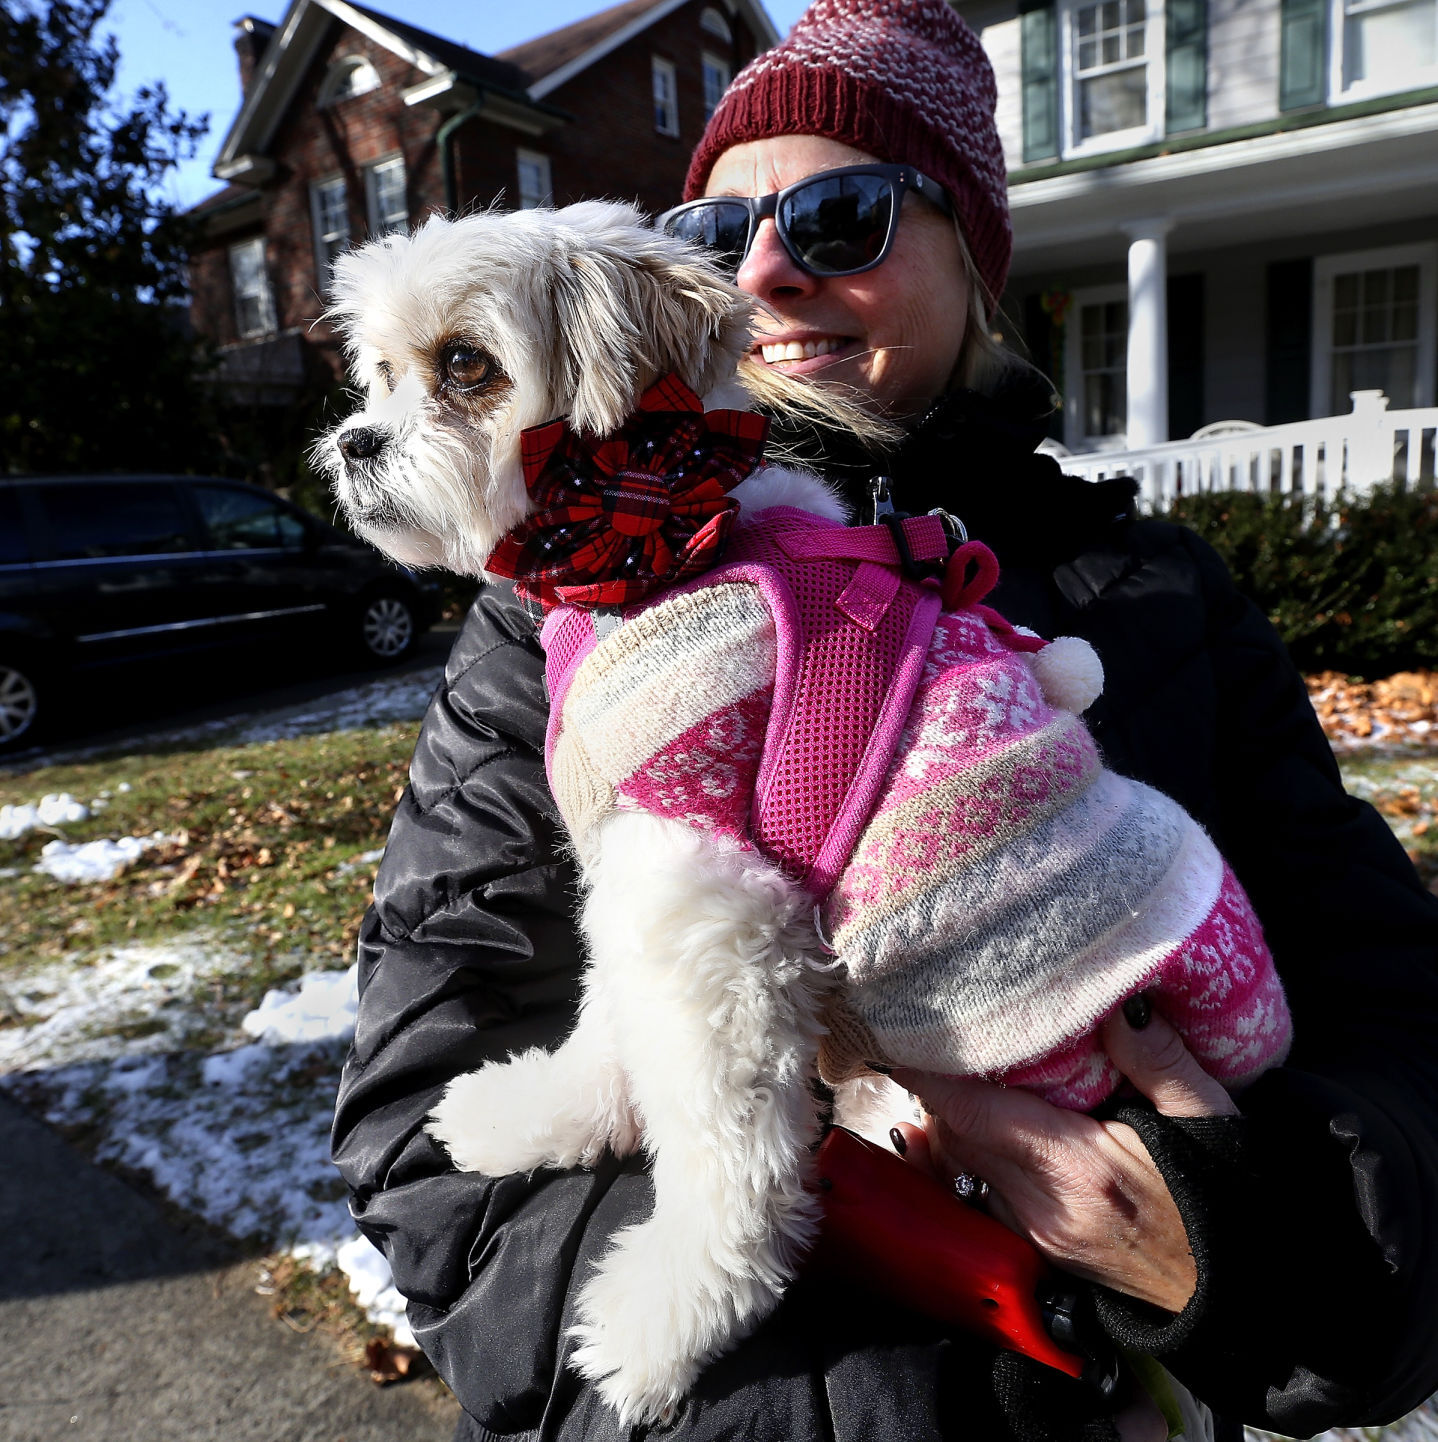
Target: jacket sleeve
469 953
1319 1262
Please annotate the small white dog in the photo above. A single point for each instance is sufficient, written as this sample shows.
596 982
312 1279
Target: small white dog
709 988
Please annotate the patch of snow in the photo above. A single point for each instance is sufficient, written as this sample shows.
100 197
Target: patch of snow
84 861
238 1135
132 1002
365 858
372 1283
322 1009
55 809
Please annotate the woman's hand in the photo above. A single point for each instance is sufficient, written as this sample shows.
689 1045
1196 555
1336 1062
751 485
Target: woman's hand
1086 1193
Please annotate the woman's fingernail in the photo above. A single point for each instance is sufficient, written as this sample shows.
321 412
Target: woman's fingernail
900 1141
1138 1011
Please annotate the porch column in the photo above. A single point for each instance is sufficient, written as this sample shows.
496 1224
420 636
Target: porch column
1147 333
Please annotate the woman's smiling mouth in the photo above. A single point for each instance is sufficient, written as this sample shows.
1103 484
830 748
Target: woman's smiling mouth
790 353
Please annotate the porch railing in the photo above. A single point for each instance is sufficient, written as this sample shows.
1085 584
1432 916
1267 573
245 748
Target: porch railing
1353 452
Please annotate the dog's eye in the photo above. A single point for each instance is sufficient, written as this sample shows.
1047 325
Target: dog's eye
386 371
465 366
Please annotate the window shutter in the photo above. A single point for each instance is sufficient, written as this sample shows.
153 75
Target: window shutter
1038 44
1186 29
1290 340
1303 53
1185 354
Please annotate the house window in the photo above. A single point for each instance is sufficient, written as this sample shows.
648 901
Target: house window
535 186
385 197
329 206
1375 327
716 82
1384 46
1115 66
714 23
346 78
254 301
666 97
1096 370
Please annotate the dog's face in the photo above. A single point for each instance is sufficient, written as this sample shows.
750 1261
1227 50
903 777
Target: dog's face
468 331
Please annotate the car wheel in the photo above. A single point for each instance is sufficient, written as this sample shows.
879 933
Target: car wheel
388 629
21 703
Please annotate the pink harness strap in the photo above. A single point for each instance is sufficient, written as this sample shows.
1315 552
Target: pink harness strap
853 638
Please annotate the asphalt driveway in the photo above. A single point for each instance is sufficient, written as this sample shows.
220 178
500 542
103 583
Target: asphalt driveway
117 1327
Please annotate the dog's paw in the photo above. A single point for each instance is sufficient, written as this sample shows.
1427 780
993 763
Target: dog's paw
629 1348
656 1310
485 1123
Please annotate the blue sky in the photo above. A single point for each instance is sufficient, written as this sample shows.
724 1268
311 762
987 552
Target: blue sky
188 44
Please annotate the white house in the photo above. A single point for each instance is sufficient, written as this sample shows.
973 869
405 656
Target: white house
1224 210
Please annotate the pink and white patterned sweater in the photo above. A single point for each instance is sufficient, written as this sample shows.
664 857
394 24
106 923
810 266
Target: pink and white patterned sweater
992 890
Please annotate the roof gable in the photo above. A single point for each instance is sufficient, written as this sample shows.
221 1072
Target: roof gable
550 60
292 49
522 75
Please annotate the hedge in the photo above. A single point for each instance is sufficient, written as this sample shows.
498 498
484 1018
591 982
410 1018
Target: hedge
1351 584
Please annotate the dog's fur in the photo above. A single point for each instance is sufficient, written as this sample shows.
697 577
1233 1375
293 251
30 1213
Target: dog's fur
700 1021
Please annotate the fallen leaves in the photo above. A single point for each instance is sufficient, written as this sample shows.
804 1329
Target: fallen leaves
387 1362
1399 710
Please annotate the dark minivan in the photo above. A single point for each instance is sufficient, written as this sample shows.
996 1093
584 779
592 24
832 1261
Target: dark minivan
99 570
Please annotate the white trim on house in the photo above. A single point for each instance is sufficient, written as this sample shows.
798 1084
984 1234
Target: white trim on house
1293 183
1076 144
1389 79
340 81
1325 270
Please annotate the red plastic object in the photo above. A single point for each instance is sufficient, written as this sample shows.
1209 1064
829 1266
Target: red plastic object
894 1228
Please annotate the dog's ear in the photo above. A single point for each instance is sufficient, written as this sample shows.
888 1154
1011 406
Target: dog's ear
632 308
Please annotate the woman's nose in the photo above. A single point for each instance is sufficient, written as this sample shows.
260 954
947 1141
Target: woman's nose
769 272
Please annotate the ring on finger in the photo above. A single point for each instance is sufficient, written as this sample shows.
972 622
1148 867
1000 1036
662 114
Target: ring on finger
969 1188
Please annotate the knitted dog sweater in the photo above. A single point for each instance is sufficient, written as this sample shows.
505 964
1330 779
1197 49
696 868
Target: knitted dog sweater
992 891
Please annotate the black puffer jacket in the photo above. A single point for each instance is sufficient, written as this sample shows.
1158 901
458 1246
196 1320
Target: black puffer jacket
1310 1219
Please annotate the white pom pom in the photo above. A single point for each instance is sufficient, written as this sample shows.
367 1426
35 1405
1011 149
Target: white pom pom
1070 673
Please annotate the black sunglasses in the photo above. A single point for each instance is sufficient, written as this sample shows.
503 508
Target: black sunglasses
838 222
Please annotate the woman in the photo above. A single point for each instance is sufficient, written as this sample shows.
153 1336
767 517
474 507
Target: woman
1273 1261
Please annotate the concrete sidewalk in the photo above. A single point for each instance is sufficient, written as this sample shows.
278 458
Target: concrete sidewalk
114 1327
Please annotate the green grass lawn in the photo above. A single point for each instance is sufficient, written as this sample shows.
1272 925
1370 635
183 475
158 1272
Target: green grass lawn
265 850
1404 788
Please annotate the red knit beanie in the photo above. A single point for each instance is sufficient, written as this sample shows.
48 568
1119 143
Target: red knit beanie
905 80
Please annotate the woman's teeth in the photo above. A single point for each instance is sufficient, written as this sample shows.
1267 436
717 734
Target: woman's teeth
800 350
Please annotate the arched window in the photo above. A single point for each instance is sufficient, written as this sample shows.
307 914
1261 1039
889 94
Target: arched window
714 22
353 75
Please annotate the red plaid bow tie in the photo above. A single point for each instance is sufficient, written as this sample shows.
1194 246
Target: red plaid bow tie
617 518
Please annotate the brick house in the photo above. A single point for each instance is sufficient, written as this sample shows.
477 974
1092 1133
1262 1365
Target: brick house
353 123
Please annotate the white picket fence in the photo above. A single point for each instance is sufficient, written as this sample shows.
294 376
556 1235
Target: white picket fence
1353 453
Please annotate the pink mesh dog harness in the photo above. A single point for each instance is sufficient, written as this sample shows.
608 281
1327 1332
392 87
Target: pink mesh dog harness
992 890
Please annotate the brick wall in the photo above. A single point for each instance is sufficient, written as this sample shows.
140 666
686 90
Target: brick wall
612 149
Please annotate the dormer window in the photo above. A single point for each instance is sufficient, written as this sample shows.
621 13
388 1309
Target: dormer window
712 22
346 78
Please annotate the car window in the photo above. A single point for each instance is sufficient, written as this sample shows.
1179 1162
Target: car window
242 521
292 529
14 547
88 522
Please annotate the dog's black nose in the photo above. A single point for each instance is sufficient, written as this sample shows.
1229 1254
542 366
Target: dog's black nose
363 443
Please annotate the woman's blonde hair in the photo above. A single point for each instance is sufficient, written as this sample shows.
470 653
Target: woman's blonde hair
985 363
